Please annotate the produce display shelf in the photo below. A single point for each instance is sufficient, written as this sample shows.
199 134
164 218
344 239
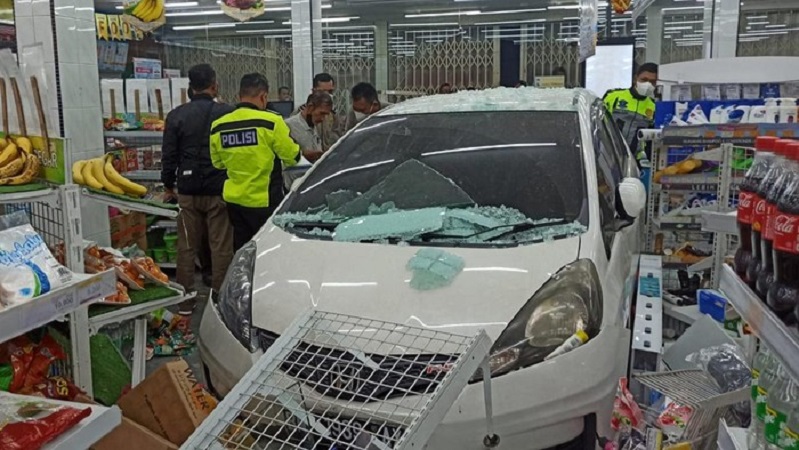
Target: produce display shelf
133 311
731 438
720 222
87 432
35 313
130 204
134 134
780 339
143 175
46 194
165 224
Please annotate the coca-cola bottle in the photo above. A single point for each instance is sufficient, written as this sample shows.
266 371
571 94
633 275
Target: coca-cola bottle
746 201
789 172
759 209
783 293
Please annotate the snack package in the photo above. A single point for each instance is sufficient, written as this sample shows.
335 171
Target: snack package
58 388
47 352
27 268
626 413
20 353
28 425
674 419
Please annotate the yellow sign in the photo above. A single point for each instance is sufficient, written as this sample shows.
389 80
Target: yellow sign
101 20
555 81
114 27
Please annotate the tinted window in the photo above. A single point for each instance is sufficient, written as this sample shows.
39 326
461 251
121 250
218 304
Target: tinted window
609 175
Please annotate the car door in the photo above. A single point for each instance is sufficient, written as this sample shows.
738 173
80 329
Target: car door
620 242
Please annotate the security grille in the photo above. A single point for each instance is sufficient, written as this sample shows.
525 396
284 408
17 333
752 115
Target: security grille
323 384
769 39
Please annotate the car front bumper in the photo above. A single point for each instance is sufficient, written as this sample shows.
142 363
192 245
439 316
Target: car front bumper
534 408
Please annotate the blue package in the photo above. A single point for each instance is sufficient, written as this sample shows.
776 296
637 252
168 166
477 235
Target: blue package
770 90
712 303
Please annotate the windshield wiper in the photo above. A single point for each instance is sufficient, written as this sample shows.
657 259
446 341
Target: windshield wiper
330 226
518 228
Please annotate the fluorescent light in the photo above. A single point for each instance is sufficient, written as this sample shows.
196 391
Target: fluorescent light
413 25
512 22
571 18
685 22
206 12
204 27
683 8
473 12
756 17
677 28
330 20
257 22
777 25
512 11
181 4
759 23
564 7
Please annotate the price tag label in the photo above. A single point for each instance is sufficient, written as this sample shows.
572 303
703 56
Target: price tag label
711 92
732 91
96 288
65 302
751 91
45 310
681 93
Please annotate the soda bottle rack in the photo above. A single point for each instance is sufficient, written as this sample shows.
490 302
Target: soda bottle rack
782 340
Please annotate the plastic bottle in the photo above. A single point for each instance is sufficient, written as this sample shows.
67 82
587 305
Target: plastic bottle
577 339
764 155
789 439
759 209
783 293
759 365
782 398
768 377
786 172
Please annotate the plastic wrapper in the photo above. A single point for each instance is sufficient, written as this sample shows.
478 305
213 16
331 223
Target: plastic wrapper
727 366
28 425
626 413
31 64
9 63
674 419
27 268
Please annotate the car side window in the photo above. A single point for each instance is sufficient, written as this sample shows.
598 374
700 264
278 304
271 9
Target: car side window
618 144
609 175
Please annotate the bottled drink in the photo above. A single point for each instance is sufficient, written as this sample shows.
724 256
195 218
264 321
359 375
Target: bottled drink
789 439
759 209
781 400
759 365
768 376
786 170
783 293
763 157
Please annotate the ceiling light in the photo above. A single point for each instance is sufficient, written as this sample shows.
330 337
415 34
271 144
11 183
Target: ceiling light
684 8
453 13
564 7
759 23
330 20
756 17
777 25
413 25
571 18
180 4
686 22
206 12
512 11
512 22
257 22
677 28
204 27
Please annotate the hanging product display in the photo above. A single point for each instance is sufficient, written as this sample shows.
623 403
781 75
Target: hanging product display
145 15
621 6
243 10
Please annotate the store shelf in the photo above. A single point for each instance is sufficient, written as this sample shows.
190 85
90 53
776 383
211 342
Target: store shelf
130 204
167 265
144 175
87 432
135 134
33 314
718 222
780 339
48 195
731 438
124 313
688 314
165 224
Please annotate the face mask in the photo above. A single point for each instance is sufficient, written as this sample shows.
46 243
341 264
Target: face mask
645 89
359 116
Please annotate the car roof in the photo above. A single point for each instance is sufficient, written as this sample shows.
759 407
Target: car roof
496 99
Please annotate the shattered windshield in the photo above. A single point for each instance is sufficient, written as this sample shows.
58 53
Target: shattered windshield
474 179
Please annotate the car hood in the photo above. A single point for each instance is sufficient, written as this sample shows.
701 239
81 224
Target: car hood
371 280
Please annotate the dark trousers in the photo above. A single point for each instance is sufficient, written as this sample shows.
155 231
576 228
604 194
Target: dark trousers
201 218
247 222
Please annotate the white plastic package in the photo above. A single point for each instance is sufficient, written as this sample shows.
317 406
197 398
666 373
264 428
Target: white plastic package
27 268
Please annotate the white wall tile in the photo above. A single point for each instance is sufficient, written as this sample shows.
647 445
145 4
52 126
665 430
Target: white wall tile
71 90
64 8
84 10
43 33
90 82
22 8
87 48
24 27
41 8
67 36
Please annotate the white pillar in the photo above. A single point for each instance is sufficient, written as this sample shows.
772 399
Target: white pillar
725 28
654 35
306 37
381 57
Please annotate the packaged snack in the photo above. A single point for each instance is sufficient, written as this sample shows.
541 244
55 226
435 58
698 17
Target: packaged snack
27 268
28 425
626 413
47 352
20 351
674 419
58 388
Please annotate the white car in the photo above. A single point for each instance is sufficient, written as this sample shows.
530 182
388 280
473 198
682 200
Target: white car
540 196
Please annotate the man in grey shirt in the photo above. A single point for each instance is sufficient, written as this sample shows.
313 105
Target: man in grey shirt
304 129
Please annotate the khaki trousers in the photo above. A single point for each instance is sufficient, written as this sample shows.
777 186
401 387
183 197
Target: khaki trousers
203 217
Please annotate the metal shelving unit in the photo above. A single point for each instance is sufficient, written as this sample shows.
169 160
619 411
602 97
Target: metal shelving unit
87 432
130 205
49 195
134 134
143 175
371 381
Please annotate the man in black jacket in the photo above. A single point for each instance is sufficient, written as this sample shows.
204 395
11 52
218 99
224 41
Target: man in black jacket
186 162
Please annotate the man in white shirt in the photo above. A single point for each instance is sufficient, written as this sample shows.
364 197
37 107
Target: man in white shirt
304 129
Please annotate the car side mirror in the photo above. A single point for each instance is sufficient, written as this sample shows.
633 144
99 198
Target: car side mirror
632 195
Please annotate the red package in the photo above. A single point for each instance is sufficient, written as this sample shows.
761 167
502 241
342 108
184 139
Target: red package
58 388
45 354
20 352
33 424
626 413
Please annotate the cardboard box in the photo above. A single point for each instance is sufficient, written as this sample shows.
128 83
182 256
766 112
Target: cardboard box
129 229
170 402
131 436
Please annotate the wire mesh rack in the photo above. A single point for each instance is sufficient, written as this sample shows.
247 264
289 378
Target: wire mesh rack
338 381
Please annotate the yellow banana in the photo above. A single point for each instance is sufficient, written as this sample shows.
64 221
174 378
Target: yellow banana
4 142
29 173
99 174
25 144
126 185
88 176
14 167
138 8
146 11
77 174
8 154
159 9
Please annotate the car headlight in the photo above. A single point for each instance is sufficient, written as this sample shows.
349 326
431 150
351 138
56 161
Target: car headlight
569 301
235 296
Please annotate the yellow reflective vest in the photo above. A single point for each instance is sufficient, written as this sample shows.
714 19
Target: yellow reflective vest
630 112
247 144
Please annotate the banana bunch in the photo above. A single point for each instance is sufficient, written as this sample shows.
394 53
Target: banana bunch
99 173
147 10
18 164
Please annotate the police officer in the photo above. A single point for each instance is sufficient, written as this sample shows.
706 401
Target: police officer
250 143
634 108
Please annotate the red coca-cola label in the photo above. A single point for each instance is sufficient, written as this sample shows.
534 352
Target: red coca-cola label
786 233
746 202
771 215
759 213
